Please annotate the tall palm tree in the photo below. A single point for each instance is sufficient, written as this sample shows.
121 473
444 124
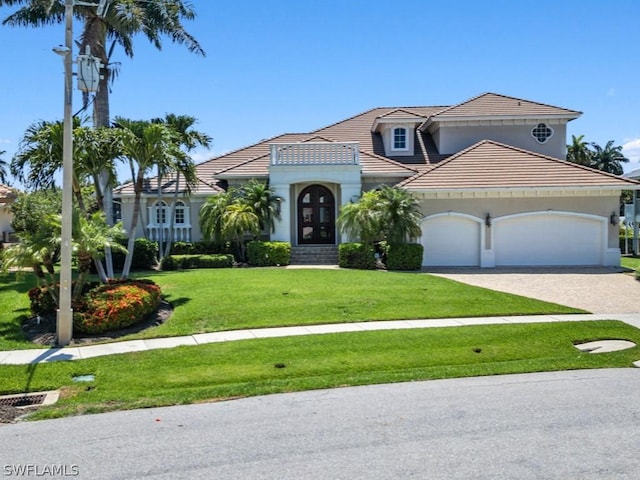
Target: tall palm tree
122 21
609 159
579 151
188 138
145 145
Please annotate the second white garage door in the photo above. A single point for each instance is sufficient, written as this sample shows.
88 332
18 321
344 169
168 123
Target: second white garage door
548 239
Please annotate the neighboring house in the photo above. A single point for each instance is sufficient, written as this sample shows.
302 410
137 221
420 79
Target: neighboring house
488 172
7 196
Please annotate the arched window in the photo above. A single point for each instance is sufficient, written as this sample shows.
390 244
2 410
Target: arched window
182 214
399 138
159 213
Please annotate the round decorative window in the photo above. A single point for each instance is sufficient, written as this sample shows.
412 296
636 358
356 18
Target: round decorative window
542 132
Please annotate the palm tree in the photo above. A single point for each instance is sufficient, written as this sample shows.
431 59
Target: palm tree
579 151
188 139
609 159
363 219
239 220
212 214
3 168
92 235
146 145
122 21
401 215
259 196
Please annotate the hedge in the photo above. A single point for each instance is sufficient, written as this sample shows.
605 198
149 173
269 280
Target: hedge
404 256
268 254
356 255
185 262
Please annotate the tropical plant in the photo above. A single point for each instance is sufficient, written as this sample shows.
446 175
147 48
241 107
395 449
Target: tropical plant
362 220
259 196
388 214
238 220
401 215
3 168
146 145
579 151
609 159
122 21
188 139
211 217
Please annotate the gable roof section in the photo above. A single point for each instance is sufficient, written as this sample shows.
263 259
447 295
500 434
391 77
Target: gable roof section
492 165
492 105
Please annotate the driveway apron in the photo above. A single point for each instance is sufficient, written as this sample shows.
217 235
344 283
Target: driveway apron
596 289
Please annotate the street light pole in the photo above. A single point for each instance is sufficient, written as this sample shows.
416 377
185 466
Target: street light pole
64 324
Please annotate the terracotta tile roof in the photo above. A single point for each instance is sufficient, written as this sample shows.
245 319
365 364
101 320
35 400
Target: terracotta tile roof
495 105
490 164
150 187
7 195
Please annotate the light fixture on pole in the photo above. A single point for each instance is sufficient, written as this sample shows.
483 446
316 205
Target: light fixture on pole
64 323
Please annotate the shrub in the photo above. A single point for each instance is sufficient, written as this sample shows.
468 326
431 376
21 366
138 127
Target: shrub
268 254
198 248
404 256
184 262
145 255
40 301
115 305
356 255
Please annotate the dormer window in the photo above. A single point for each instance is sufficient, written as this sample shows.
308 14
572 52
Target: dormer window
542 132
400 138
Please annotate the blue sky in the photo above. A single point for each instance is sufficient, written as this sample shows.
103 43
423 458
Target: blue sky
288 66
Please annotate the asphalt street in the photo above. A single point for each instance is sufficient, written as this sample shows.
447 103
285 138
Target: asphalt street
559 425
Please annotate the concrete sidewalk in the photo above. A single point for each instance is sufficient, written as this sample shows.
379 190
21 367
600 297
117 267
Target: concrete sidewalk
33 356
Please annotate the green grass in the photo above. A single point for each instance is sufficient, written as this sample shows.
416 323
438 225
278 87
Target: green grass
211 300
630 262
236 369
214 300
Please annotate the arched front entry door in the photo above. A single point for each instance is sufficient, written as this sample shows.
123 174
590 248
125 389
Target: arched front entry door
316 216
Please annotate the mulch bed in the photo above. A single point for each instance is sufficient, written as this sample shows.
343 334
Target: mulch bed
43 332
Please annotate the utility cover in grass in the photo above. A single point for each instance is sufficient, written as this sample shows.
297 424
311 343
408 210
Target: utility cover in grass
603 346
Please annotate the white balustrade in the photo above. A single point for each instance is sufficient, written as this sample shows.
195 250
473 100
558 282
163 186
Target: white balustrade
315 153
181 233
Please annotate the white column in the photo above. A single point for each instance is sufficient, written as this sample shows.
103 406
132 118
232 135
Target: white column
282 230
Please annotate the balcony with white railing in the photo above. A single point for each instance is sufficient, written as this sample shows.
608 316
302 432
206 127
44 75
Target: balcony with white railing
156 232
315 153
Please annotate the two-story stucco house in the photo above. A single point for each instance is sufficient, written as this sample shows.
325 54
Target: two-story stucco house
7 196
489 173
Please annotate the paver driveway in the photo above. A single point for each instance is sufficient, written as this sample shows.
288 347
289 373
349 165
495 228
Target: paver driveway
595 289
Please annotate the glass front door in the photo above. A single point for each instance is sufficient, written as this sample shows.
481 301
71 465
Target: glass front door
316 216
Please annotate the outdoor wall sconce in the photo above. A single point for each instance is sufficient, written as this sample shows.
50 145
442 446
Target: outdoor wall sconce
278 206
613 219
487 220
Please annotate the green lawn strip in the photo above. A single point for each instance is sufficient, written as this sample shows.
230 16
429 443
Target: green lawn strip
236 369
210 300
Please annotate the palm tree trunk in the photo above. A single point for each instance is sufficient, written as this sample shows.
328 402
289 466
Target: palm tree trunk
126 269
172 217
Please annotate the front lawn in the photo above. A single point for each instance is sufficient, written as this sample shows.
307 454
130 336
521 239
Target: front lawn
630 262
210 300
254 367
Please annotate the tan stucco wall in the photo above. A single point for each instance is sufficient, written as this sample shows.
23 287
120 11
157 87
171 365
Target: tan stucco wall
451 140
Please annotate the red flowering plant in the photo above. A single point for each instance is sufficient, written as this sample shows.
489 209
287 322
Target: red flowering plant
115 305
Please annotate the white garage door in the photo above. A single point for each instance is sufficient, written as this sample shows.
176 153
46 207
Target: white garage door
548 239
451 241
